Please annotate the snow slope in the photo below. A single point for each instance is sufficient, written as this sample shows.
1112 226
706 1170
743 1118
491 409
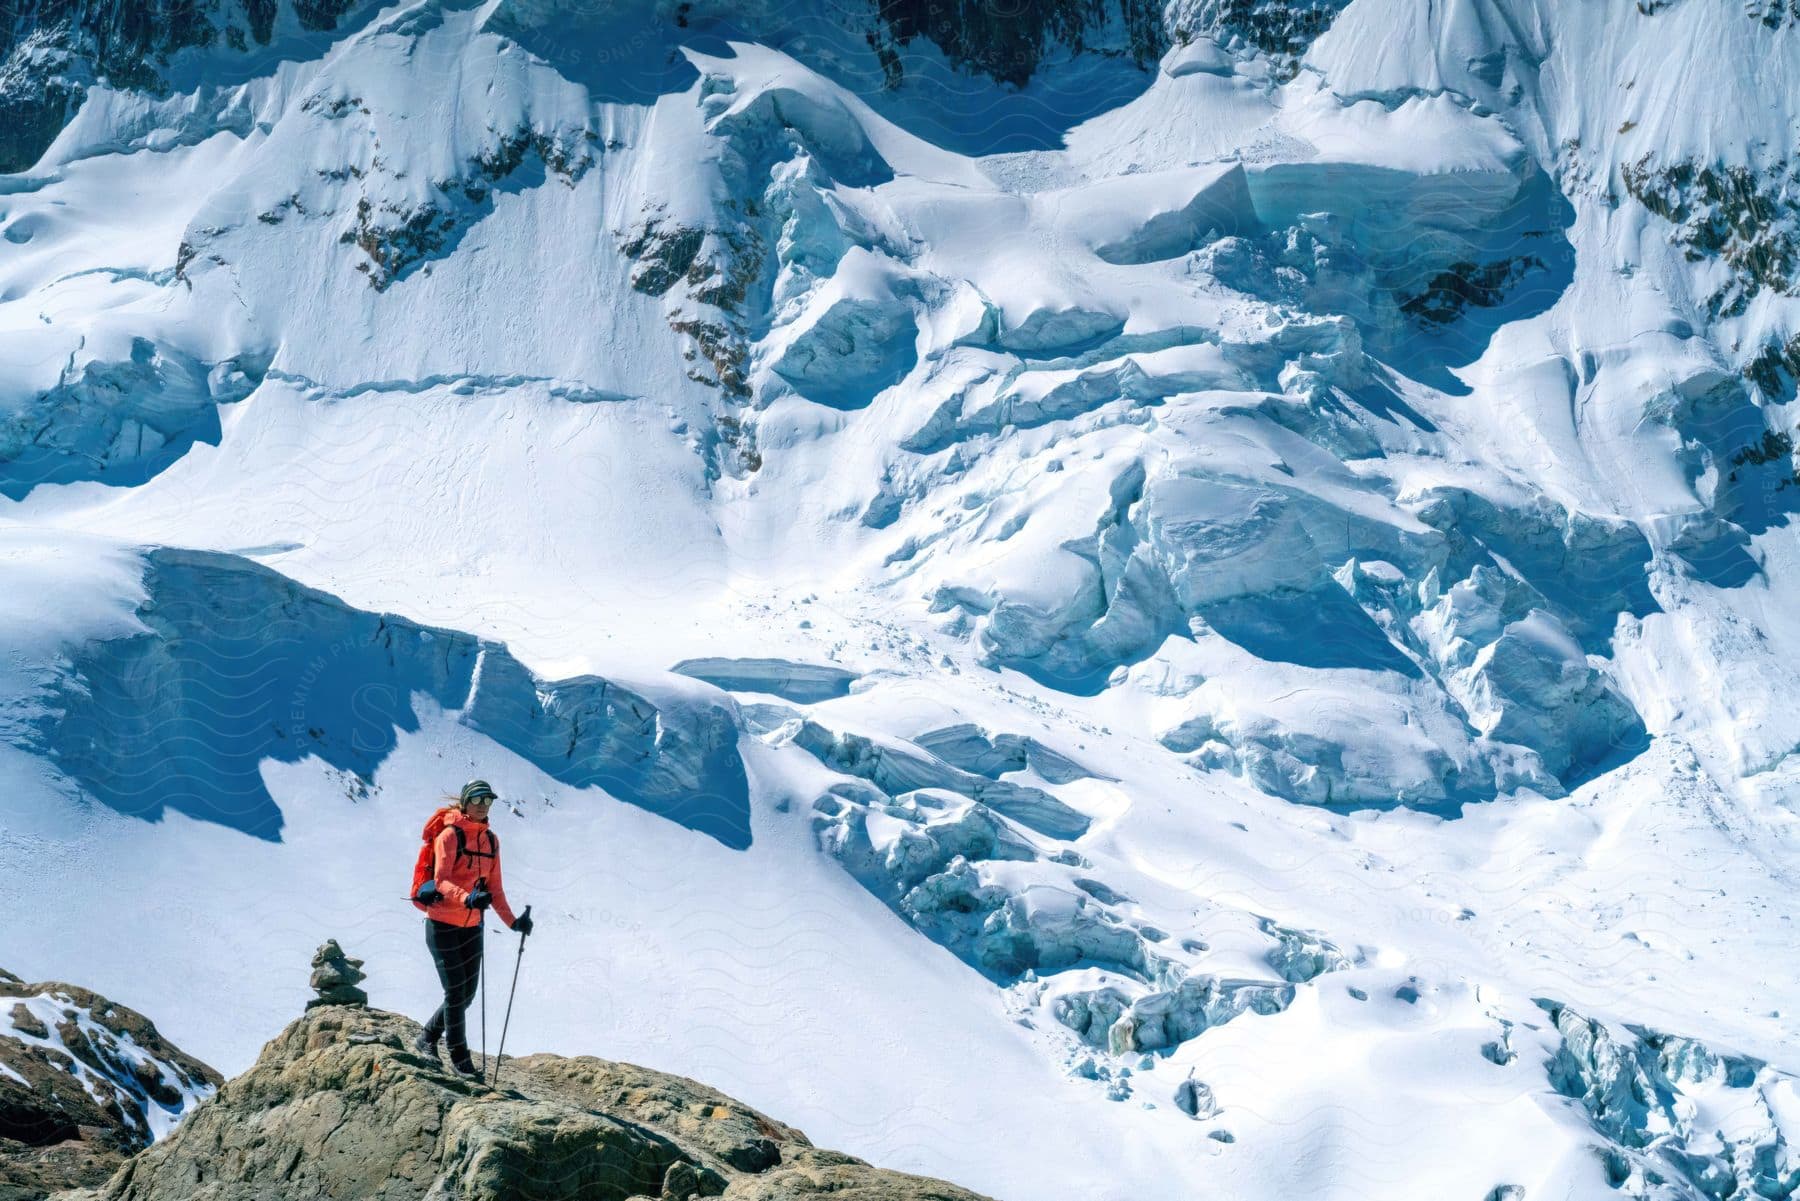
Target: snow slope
91 1062
1234 610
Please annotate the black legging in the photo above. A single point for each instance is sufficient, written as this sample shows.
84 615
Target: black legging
457 952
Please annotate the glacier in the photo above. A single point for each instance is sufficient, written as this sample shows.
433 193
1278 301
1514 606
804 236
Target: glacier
1203 576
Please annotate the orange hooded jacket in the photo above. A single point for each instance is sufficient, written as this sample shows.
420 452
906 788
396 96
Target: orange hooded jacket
456 874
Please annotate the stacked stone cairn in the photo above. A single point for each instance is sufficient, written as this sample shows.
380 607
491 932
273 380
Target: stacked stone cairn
335 977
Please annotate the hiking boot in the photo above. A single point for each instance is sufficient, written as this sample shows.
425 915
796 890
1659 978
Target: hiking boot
426 1045
462 1065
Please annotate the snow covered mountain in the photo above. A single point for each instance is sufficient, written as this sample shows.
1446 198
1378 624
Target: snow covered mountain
1207 578
84 1082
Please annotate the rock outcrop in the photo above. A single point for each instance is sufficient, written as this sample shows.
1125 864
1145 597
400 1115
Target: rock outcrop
84 1083
53 52
338 1105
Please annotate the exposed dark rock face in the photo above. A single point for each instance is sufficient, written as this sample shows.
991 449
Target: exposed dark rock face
1464 285
716 268
1775 369
397 238
320 14
84 1083
1282 29
1007 41
1741 214
53 51
338 1105
1775 14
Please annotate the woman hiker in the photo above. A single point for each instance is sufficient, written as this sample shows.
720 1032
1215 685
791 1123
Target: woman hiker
458 876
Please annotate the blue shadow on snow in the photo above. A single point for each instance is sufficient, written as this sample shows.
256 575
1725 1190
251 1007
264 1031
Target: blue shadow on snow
242 665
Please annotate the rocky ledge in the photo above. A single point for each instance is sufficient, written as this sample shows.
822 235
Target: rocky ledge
84 1082
339 1105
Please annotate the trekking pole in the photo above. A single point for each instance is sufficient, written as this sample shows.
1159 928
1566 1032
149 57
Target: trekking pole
500 1055
481 967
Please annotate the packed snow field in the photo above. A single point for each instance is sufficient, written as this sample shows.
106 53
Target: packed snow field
1206 611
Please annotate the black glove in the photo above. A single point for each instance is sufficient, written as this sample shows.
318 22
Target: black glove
480 898
428 893
522 923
